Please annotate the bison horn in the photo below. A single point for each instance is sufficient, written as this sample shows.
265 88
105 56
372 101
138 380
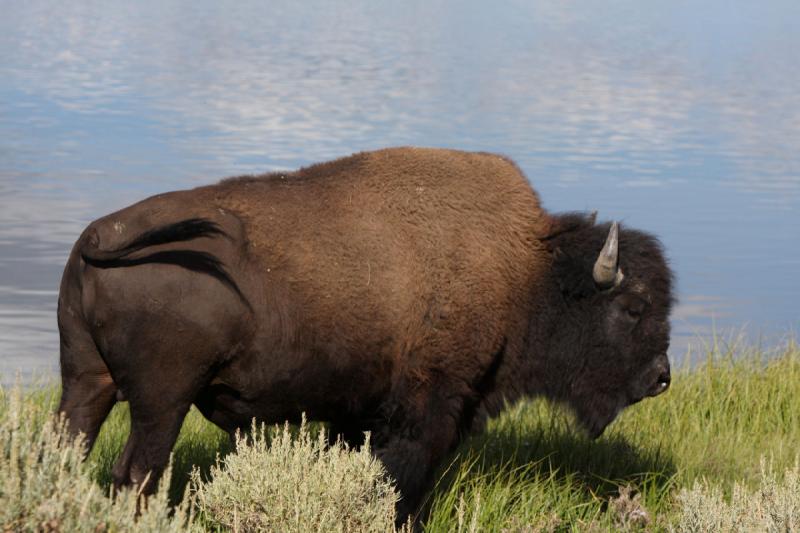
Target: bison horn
605 272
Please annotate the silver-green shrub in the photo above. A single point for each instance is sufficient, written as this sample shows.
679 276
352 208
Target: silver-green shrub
46 486
297 484
773 507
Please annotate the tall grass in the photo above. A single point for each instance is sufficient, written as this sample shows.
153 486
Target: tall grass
662 464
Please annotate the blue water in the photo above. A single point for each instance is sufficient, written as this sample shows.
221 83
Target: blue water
681 118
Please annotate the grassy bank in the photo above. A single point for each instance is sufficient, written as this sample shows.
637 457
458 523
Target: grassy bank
666 463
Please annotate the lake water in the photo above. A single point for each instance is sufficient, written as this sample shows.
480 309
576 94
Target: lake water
681 118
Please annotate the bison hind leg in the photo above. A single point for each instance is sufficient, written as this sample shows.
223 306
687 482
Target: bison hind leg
157 413
87 390
160 387
85 403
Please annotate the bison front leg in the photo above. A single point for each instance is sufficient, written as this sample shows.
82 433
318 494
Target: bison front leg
413 446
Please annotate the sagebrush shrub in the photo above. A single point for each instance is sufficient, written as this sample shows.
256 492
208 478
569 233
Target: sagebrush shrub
773 507
297 484
46 486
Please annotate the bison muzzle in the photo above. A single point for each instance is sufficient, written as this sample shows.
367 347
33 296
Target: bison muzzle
408 292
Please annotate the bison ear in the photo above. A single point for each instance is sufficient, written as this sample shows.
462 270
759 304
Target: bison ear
561 226
570 273
565 240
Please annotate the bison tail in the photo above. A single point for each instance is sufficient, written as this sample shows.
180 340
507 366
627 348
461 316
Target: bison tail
182 228
159 220
105 240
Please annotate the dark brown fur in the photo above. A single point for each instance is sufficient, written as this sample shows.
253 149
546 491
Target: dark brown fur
409 292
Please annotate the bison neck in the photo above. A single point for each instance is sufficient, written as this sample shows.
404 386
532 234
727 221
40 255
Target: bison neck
537 361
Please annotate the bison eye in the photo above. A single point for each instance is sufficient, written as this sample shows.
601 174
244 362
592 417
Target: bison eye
631 306
634 313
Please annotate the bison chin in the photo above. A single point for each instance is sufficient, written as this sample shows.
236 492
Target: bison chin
596 410
595 414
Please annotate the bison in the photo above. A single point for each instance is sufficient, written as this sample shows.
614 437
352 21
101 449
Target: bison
409 292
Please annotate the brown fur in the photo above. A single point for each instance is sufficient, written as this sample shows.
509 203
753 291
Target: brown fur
407 291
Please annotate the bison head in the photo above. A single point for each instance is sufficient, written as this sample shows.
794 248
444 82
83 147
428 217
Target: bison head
610 345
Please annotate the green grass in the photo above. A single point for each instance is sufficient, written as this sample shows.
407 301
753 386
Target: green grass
532 470
714 424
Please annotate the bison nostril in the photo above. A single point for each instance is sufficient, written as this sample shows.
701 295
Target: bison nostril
663 382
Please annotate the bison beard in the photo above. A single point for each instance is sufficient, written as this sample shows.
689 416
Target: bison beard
408 292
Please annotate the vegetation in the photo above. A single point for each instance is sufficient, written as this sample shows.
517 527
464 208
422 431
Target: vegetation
773 507
46 487
297 484
718 452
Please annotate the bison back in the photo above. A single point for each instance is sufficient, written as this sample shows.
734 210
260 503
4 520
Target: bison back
403 258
